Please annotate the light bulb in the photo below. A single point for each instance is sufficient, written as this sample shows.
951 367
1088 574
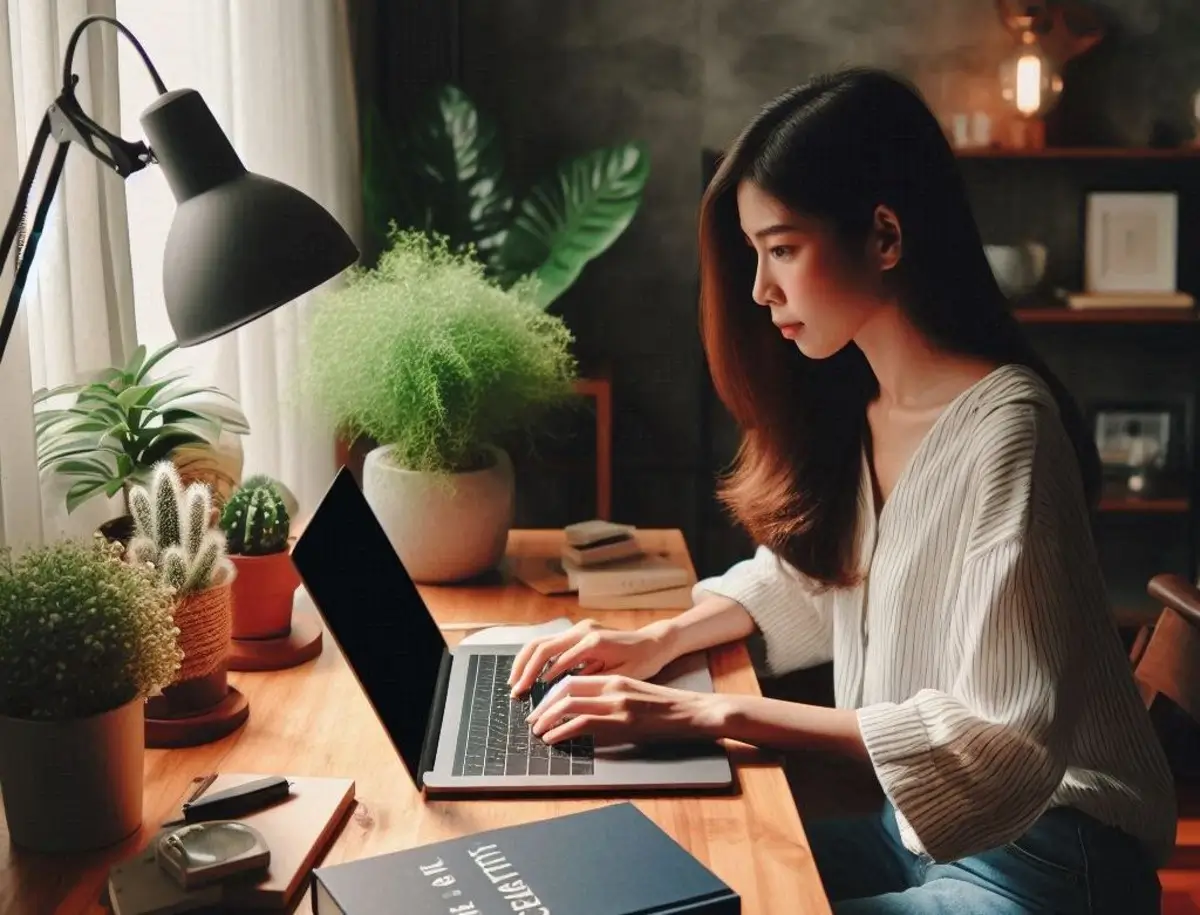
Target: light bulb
1028 79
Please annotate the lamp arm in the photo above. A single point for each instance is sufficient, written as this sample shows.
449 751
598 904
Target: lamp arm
68 123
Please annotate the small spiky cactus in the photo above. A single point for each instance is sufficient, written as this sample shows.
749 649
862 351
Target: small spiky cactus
173 532
255 519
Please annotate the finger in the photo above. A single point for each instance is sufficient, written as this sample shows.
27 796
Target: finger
570 657
579 726
565 689
521 661
542 652
570 707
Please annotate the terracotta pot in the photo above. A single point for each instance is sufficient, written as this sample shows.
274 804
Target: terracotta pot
73 786
263 593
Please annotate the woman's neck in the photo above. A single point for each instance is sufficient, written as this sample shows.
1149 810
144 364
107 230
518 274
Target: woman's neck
911 371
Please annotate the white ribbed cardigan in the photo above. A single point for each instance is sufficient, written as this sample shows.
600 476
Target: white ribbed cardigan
980 653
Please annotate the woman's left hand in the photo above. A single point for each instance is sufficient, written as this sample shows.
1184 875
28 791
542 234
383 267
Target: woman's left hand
619 709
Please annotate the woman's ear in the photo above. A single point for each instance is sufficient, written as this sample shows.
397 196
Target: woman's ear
886 237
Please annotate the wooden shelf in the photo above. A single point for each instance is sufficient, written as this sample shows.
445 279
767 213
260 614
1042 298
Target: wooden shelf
1064 315
1079 152
1162 506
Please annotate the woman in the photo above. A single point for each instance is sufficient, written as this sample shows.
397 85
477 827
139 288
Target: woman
919 485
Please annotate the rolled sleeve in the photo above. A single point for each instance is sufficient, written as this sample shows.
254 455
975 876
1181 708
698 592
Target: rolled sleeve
793 622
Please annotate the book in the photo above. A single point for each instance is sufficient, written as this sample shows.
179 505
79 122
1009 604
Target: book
609 860
1085 300
607 551
638 575
297 830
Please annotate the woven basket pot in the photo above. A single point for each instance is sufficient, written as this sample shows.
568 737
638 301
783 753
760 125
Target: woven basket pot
205 621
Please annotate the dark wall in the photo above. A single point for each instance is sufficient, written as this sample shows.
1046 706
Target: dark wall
684 75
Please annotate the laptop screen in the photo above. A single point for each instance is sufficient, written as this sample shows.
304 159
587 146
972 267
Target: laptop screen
374 612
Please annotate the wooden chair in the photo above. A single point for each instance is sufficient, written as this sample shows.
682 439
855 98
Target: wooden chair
1166 657
1166 661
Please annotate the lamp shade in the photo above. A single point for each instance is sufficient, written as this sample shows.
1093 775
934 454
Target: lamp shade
240 244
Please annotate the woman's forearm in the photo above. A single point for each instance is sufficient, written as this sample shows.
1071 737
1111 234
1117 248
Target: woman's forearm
712 621
780 725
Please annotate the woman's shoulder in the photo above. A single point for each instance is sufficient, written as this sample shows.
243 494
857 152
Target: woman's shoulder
1010 406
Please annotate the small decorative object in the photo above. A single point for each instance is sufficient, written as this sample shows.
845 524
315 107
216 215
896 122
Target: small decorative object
85 638
428 357
174 532
121 425
1131 242
257 525
1018 268
449 179
1048 34
1135 446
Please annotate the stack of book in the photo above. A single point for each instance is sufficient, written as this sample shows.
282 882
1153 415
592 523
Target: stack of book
609 570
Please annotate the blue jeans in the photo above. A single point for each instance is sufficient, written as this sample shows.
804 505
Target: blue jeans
1067 862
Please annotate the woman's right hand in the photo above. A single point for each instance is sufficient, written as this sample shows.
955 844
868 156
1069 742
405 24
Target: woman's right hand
638 654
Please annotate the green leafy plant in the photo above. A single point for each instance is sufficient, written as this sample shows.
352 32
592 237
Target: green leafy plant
255 519
81 631
444 174
173 532
122 424
425 353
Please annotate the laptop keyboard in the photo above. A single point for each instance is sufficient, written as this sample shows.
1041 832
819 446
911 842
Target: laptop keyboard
493 738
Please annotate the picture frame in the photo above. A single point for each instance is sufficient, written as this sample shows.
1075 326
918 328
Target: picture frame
1137 436
1131 242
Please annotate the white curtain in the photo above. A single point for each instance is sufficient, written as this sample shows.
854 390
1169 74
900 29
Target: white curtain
278 76
77 312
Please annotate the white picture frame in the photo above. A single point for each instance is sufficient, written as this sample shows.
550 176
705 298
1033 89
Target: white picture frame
1131 242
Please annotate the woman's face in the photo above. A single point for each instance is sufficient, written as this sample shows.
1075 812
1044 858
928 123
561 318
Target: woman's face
816 295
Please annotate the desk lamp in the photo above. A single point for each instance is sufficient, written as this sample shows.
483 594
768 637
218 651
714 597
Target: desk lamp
239 246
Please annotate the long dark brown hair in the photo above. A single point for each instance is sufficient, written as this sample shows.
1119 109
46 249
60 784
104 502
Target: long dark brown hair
835 148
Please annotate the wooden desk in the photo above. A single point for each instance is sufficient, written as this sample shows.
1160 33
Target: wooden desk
313 720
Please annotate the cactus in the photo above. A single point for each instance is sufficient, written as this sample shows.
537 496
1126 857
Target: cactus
256 519
173 532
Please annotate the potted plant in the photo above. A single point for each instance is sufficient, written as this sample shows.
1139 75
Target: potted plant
119 426
174 531
85 638
437 363
257 528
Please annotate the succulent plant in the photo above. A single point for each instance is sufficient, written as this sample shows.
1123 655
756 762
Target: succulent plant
173 532
256 519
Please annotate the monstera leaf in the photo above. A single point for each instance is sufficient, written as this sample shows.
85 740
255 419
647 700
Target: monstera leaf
574 216
444 173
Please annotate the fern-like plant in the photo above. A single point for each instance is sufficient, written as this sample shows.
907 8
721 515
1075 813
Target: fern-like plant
173 532
255 519
426 354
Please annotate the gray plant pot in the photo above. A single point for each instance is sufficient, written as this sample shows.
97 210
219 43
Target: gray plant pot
71 786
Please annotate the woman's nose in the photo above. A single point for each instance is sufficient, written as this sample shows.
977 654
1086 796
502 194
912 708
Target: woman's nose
760 292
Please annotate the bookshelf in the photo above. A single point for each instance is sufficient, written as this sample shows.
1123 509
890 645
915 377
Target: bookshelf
1143 356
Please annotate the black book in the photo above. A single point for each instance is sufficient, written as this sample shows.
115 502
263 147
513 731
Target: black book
611 860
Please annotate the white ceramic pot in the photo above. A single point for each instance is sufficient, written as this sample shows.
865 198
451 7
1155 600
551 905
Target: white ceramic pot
444 528
73 786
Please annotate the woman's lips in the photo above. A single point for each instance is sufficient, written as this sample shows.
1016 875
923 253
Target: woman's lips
790 330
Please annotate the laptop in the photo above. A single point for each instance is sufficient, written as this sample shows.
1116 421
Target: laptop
447 710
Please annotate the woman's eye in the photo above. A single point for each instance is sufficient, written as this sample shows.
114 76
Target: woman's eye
779 252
